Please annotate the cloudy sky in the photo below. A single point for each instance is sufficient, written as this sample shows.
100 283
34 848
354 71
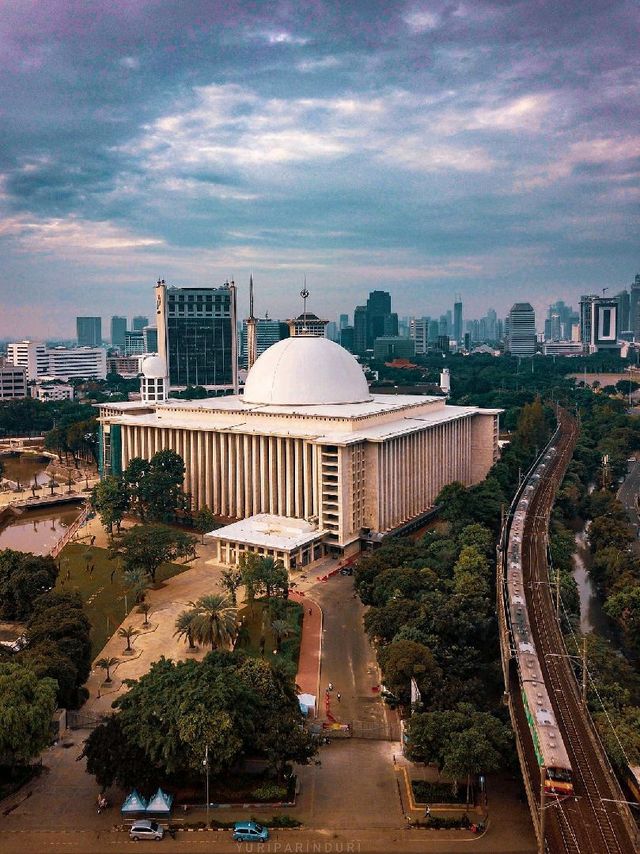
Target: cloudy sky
427 148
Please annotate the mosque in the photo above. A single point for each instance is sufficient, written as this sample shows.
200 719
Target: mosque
307 462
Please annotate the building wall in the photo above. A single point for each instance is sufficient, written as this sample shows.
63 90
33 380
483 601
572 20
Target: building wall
379 485
13 382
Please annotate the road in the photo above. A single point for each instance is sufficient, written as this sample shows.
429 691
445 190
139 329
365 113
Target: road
589 824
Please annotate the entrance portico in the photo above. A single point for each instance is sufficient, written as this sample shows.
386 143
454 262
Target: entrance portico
294 542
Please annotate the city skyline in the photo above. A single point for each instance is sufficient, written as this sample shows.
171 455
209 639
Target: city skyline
421 149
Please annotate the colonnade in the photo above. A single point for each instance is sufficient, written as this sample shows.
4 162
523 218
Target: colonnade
414 468
236 474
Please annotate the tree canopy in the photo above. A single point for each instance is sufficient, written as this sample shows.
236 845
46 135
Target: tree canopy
26 706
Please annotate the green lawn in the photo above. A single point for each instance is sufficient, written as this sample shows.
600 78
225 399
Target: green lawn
256 624
102 591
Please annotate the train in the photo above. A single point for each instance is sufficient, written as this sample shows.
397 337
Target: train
548 744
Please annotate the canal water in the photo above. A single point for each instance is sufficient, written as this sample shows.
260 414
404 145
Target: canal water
592 616
34 531
38 531
24 467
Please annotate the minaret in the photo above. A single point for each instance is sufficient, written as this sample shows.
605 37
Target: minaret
234 337
252 337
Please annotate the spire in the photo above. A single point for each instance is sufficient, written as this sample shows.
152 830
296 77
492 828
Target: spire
252 332
304 293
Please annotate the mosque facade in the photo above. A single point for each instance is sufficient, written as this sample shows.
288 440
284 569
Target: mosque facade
308 443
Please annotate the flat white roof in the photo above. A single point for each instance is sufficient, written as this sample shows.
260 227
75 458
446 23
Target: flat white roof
228 414
271 532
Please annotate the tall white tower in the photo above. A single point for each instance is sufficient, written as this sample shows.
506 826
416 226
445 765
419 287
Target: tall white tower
445 381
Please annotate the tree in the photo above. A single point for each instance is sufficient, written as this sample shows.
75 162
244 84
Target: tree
479 537
135 479
164 484
204 521
214 621
230 582
147 547
624 608
24 578
144 608
261 574
114 758
27 704
111 500
281 629
403 660
106 664
184 627
127 633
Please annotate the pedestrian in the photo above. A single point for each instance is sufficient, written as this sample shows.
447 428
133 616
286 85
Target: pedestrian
330 688
338 695
427 812
310 611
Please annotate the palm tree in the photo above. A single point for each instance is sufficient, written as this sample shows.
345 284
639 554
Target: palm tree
281 629
128 633
214 621
184 627
107 664
144 608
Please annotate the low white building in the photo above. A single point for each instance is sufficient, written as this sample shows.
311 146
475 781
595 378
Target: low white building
53 390
59 362
294 542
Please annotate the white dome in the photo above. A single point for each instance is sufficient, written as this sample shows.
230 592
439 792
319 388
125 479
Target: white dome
305 371
153 368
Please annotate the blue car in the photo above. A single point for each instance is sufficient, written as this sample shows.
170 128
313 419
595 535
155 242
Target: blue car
250 831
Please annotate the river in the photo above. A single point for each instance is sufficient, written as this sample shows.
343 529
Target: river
592 616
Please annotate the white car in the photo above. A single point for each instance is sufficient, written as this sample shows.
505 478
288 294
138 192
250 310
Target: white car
144 829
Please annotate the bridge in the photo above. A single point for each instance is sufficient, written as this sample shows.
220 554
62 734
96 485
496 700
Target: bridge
597 820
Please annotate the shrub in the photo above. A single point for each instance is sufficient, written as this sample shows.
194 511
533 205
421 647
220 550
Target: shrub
269 792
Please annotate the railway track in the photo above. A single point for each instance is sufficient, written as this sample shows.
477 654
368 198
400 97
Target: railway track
589 823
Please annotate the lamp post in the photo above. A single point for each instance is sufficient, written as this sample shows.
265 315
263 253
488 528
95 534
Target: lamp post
206 764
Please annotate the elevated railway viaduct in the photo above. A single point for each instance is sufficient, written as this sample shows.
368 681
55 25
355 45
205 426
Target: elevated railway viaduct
596 820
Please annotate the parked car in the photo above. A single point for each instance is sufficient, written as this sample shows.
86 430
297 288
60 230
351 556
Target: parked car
143 828
250 831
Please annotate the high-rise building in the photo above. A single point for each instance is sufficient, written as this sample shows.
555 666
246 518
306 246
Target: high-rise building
599 323
360 329
347 339
419 332
89 331
521 339
13 380
139 322
634 307
31 355
134 342
624 310
434 331
457 319
118 331
381 321
197 336
150 339
344 321
389 347
267 332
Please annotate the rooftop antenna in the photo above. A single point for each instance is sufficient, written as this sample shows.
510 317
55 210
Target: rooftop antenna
604 290
304 293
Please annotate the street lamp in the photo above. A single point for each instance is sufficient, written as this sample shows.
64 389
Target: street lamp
205 762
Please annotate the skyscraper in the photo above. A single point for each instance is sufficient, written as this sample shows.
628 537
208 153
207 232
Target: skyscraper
360 329
624 310
457 319
118 331
150 339
599 323
380 319
521 340
89 331
267 332
139 322
343 321
419 331
197 336
634 307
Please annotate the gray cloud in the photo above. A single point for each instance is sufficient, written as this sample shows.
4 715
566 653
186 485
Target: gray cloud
489 147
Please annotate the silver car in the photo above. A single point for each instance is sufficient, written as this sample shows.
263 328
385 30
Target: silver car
145 829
